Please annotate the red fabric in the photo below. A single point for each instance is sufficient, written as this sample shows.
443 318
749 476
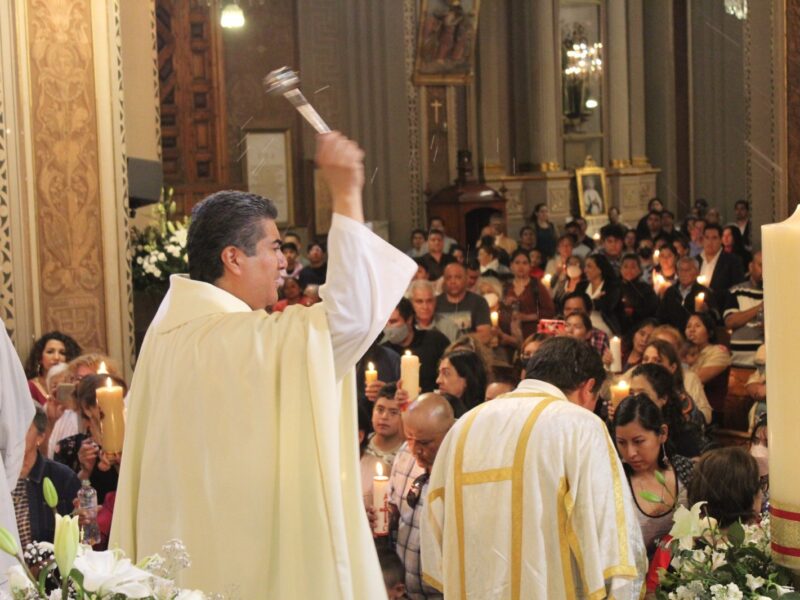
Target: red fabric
36 393
660 560
105 514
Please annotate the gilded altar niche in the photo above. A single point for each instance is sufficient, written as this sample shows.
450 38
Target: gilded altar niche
66 170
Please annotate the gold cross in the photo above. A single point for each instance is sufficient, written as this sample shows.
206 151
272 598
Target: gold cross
436 105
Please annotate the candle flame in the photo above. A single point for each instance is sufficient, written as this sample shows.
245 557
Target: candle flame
379 469
702 279
109 383
596 236
370 367
408 352
656 254
547 278
701 296
623 385
102 370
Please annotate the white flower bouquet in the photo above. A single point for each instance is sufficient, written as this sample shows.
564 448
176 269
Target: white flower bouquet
708 563
67 569
159 250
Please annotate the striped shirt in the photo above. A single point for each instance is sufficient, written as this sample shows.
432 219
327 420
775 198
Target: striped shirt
745 340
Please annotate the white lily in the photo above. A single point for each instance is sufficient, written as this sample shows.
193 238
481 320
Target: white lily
65 544
191 595
107 573
687 525
18 580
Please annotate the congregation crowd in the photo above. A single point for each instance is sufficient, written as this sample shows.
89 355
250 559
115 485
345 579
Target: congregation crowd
667 310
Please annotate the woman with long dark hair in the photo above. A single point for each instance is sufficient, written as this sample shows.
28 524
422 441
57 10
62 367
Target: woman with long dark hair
733 243
641 434
52 348
462 374
602 285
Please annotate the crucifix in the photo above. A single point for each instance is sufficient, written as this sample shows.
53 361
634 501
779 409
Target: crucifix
436 105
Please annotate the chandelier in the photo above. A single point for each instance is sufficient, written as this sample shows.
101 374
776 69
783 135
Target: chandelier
582 68
737 8
584 60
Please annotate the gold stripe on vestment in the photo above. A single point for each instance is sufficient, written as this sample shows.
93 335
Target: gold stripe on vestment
434 583
563 543
619 504
517 497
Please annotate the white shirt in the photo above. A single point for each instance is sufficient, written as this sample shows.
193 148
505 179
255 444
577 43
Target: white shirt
708 266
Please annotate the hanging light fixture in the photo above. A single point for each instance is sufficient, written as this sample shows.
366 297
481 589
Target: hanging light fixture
232 16
737 8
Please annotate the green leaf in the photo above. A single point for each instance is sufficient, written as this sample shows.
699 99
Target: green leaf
44 573
660 478
736 534
651 497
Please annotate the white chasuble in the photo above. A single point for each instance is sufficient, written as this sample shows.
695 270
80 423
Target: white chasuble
527 499
16 416
242 433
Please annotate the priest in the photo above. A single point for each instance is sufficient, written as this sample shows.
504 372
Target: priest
527 497
242 432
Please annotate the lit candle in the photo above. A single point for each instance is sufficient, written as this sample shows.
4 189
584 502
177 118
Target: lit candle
380 501
596 237
495 317
619 391
409 373
112 423
370 375
699 302
616 355
781 247
656 254
102 370
658 282
702 280
548 279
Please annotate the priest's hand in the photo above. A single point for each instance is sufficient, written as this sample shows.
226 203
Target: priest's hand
341 163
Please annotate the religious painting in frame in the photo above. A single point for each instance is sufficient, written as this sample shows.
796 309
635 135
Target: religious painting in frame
446 42
592 191
268 169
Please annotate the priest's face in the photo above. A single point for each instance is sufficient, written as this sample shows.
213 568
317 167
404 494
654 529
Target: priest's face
260 273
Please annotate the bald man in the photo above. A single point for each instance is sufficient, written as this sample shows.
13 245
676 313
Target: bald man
425 422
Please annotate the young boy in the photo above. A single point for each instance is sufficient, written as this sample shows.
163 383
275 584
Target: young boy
387 425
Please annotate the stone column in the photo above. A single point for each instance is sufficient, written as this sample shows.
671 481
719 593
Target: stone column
617 81
638 148
543 88
68 174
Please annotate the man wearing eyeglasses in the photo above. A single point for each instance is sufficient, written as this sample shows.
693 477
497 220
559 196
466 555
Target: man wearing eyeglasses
426 422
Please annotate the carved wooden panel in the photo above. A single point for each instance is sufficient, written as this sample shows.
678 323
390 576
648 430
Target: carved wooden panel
192 100
7 309
66 172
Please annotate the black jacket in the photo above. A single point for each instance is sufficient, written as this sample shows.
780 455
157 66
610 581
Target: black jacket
675 311
727 273
43 523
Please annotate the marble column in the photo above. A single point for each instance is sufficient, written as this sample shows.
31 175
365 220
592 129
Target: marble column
617 81
543 85
64 192
636 77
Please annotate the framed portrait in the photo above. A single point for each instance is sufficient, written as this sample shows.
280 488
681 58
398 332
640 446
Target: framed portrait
592 191
446 42
268 169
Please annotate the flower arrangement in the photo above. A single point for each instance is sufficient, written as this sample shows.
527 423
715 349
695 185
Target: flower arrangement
159 250
710 564
66 569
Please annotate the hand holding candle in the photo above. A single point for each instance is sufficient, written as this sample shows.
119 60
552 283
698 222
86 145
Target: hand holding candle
409 373
112 423
699 302
380 501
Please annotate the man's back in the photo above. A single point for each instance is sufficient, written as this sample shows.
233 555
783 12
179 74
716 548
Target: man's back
561 516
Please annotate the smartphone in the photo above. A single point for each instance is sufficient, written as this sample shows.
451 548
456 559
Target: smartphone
64 392
551 326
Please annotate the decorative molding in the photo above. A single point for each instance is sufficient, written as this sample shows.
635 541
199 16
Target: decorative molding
156 96
117 93
66 172
7 308
412 98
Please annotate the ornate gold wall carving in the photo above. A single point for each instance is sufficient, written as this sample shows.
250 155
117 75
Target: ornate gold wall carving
6 282
66 172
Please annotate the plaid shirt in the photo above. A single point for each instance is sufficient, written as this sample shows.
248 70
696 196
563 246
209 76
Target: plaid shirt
598 340
404 471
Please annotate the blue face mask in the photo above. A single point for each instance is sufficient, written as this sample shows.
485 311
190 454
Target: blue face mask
396 335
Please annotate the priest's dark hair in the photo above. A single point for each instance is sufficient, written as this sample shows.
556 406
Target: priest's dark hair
566 363
227 218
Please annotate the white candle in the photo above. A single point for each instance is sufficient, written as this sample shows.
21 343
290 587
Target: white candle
702 280
699 302
409 374
781 247
495 317
548 278
616 355
619 391
658 282
109 399
656 254
370 375
380 501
